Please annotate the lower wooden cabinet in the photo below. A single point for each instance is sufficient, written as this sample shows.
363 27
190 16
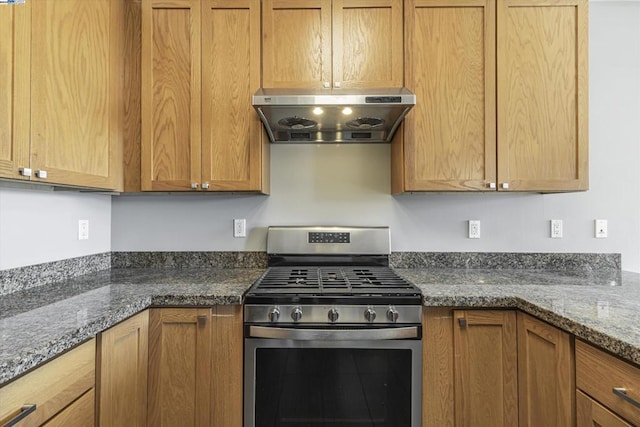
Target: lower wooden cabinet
546 374
495 368
62 391
122 373
590 413
608 380
195 367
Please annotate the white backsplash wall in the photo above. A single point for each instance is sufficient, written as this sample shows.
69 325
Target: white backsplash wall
39 226
350 185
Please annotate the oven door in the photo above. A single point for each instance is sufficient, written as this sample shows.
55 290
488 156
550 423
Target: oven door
327 377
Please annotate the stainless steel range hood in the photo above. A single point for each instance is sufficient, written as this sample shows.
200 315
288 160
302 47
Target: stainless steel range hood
332 115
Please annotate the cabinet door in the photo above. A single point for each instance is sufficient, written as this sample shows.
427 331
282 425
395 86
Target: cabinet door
591 414
170 158
122 375
486 385
296 43
546 374
449 136
367 43
14 89
231 131
542 94
227 368
179 367
76 84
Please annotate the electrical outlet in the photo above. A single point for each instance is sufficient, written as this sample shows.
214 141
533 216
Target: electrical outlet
601 228
83 229
240 228
556 229
474 229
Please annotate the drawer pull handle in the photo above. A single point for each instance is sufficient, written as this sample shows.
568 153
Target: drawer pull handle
21 415
622 393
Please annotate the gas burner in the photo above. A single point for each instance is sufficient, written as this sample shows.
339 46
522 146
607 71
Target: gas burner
365 123
297 123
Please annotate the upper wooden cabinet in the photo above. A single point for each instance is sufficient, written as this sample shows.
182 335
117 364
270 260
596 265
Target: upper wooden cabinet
14 90
457 138
325 43
60 92
200 66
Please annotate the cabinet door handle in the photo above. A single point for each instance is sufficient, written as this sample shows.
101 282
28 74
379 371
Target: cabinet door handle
326 85
205 185
202 320
492 185
41 174
505 185
462 322
194 185
621 392
21 415
25 171
336 85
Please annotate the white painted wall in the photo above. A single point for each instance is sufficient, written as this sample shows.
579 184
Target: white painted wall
350 184
39 226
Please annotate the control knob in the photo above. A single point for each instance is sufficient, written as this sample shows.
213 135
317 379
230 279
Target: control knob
333 315
296 314
274 314
392 314
370 314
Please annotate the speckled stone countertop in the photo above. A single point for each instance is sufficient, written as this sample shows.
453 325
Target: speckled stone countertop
38 324
601 308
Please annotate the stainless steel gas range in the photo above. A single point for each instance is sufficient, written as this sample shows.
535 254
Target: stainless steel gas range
332 334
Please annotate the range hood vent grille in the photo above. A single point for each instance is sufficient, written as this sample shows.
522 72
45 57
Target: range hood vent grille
332 115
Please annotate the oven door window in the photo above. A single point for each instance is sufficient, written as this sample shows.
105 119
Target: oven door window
333 387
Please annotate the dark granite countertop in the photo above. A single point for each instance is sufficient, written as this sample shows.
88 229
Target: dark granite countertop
602 308
40 323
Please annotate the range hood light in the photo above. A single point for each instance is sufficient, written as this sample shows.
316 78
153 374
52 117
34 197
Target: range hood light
358 115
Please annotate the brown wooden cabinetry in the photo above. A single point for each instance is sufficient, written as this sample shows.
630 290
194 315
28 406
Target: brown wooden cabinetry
457 138
200 66
325 43
62 391
60 99
615 384
546 374
122 373
493 368
195 367
14 90
485 368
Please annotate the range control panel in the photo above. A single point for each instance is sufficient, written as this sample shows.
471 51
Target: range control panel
329 237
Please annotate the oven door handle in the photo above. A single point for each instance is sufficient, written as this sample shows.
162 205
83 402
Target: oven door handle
407 332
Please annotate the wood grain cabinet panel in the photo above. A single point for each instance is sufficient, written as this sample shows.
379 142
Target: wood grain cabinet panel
542 95
609 380
54 388
81 413
122 373
200 66
179 367
462 56
546 374
195 366
485 369
76 85
591 414
14 90
325 43
449 136
170 147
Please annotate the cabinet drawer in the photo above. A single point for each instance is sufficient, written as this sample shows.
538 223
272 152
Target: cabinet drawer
598 373
51 387
81 413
